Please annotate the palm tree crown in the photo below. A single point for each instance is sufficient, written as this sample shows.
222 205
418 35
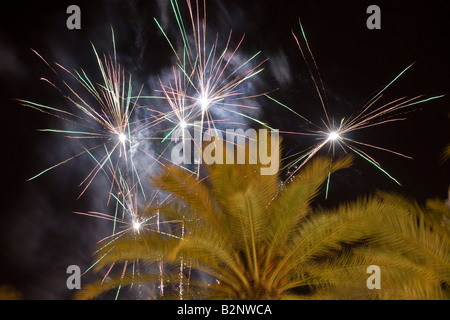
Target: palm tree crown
248 236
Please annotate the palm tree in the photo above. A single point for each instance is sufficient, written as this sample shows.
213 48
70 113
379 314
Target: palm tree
255 237
247 236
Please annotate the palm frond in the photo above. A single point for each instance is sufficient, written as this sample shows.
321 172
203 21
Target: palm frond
185 188
148 248
322 234
417 237
345 277
293 204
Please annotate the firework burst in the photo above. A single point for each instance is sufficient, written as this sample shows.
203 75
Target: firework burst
209 77
101 120
332 133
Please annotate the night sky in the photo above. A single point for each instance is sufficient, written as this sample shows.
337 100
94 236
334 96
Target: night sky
39 233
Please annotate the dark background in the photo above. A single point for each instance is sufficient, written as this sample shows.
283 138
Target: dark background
39 234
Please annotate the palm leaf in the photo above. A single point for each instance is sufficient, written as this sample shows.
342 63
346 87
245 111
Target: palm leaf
293 204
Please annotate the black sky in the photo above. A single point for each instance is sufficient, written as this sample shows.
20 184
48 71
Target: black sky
39 234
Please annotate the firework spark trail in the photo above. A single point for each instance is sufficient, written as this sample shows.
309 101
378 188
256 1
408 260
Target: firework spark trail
105 122
210 77
328 133
129 219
